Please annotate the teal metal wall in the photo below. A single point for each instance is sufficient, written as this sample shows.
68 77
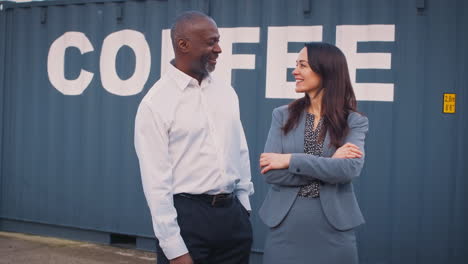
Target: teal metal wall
68 162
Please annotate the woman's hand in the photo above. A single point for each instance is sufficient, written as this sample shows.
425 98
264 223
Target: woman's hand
348 151
274 161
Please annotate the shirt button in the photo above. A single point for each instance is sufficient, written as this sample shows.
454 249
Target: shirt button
298 170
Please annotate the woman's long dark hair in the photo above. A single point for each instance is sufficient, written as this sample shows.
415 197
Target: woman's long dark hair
338 98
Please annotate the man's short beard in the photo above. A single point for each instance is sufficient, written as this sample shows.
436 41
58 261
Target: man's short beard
203 67
209 67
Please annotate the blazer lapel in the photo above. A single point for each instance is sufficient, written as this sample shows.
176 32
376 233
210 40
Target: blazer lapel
328 150
299 134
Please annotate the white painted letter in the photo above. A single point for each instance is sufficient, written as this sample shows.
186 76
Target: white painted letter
347 37
278 58
228 61
56 63
110 80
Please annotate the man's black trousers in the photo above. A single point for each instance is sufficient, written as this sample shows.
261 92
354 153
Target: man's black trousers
213 235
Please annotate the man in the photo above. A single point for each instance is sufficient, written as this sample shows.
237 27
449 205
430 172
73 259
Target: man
193 154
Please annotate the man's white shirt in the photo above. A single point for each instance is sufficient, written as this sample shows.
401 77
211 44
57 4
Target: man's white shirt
189 139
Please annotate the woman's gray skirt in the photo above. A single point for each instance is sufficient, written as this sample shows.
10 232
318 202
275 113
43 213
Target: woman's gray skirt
306 237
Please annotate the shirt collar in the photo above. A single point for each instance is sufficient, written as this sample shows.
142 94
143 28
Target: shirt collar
184 80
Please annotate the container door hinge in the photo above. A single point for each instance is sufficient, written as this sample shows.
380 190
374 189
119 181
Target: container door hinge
420 5
119 13
306 6
43 15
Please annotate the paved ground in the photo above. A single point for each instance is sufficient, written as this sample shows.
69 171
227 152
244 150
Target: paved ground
20 248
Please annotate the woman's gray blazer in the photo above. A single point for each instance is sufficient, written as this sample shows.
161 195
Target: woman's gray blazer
336 193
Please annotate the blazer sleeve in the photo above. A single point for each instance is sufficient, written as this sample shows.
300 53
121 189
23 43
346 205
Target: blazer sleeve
274 144
334 170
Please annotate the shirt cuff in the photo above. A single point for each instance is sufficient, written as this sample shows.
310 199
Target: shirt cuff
173 247
244 199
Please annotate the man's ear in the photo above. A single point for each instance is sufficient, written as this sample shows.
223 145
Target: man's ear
184 45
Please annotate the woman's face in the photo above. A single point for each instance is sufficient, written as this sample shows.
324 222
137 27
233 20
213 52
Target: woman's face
306 79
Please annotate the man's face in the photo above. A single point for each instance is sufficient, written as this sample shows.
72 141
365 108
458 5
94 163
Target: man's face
204 39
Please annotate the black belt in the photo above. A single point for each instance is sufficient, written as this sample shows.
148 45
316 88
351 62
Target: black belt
215 200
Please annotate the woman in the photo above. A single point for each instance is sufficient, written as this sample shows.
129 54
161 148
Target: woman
315 148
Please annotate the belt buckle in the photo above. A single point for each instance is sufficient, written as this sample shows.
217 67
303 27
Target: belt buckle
213 201
218 197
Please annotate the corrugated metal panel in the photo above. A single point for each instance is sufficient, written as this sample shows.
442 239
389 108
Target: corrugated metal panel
69 160
66 163
2 84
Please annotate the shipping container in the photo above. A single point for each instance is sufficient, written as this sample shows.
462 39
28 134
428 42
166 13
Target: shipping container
72 74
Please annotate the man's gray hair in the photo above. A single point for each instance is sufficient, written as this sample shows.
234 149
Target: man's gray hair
180 23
